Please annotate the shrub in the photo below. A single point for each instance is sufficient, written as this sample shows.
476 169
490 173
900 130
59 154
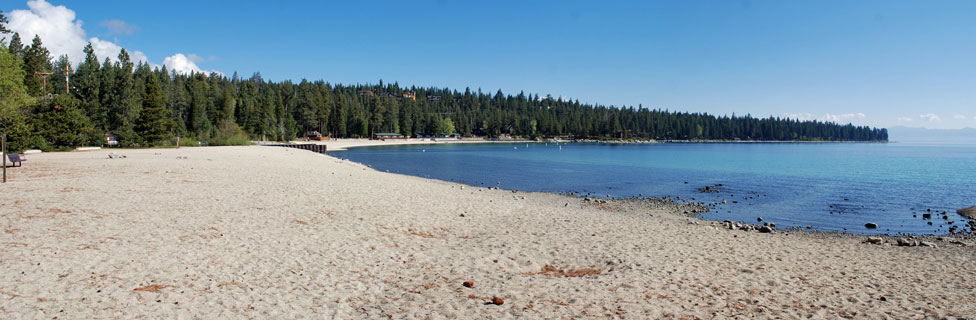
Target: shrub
230 134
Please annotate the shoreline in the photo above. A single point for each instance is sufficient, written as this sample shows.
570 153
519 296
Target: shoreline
694 210
279 232
966 231
345 144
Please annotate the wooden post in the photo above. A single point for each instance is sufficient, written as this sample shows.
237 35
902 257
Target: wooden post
177 142
3 146
67 85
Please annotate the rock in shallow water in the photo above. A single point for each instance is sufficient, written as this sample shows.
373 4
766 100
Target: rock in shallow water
871 225
968 212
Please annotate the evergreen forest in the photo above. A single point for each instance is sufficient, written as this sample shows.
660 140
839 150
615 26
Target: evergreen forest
48 103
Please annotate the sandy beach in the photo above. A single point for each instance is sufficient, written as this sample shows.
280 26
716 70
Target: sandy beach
280 233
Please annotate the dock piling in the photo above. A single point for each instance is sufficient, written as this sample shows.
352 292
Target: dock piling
317 148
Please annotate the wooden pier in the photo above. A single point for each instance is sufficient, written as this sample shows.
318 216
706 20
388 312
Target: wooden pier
317 148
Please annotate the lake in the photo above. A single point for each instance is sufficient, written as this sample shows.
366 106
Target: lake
824 186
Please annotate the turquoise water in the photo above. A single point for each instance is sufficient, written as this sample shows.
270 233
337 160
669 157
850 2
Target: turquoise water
825 186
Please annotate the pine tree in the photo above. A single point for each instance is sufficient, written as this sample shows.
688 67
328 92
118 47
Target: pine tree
179 106
58 80
3 24
324 110
126 103
14 101
16 46
113 95
227 102
272 117
61 123
199 123
246 110
406 119
155 124
37 59
85 85
391 122
338 120
305 104
107 118
13 92
378 111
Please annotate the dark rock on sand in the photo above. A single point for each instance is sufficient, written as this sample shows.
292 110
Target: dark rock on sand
497 301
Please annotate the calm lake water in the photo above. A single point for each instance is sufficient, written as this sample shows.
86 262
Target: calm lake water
828 186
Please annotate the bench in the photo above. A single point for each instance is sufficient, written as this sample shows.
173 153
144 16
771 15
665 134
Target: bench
15 159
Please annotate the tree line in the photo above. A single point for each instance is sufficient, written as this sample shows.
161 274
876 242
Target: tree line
47 103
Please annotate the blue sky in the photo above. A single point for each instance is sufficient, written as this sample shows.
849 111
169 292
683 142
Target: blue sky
879 63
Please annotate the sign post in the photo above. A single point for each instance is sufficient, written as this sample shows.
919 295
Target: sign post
3 146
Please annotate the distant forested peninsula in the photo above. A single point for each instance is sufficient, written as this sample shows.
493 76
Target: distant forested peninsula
48 103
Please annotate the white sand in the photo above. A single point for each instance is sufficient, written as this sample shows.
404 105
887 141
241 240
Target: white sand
264 232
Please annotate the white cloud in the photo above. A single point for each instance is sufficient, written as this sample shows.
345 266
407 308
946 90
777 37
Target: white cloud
904 119
60 32
63 34
109 49
959 117
184 64
929 117
838 118
117 26
194 57
844 118
800 116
